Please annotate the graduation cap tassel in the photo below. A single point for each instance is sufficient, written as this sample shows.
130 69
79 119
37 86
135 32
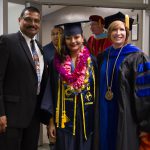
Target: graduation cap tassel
59 43
127 21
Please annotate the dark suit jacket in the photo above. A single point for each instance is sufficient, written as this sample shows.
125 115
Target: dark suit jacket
18 81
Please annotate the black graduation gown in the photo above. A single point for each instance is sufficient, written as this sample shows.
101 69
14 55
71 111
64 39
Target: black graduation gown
132 99
65 139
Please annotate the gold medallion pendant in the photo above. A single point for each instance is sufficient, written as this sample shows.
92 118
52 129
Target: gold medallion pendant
109 95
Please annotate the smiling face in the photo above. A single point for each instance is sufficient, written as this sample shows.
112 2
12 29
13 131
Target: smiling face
117 33
30 23
74 42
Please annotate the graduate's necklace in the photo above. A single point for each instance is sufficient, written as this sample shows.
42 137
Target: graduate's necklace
109 94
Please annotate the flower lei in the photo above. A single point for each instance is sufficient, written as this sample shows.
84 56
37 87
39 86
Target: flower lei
77 79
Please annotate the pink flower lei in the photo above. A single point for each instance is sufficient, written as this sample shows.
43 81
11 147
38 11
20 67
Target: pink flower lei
75 79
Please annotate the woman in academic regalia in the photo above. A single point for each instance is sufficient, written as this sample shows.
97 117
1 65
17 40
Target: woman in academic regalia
70 94
124 91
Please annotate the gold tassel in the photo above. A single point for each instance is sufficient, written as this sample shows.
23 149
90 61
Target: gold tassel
62 122
64 117
59 43
127 21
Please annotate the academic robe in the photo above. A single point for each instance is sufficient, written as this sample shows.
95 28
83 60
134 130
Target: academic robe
49 51
98 45
78 130
120 120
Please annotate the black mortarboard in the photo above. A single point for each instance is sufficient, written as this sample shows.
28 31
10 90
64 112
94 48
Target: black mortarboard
119 16
96 18
72 28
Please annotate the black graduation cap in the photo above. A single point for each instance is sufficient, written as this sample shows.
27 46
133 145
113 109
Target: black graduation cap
119 16
73 28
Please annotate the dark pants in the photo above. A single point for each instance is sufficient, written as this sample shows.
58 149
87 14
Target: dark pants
52 146
21 138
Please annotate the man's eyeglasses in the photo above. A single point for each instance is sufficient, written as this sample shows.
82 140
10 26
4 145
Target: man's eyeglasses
30 20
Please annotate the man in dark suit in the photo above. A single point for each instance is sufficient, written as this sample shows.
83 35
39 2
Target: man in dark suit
49 49
21 88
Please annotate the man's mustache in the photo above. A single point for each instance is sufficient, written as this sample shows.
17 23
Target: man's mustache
30 27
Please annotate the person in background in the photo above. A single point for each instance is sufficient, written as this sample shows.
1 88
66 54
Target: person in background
123 112
98 42
23 77
49 49
70 94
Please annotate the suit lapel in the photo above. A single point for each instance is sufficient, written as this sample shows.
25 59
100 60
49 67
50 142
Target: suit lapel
26 49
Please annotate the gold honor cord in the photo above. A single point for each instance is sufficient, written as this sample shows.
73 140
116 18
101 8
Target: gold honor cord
93 74
58 104
83 115
62 107
64 111
59 43
74 120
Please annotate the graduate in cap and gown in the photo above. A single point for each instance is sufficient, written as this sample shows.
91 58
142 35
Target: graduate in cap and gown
123 108
70 94
99 41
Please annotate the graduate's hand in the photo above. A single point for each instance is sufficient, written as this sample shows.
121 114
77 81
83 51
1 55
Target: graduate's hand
3 124
51 130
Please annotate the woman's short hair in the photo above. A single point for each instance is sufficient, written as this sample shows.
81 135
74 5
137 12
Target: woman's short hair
114 25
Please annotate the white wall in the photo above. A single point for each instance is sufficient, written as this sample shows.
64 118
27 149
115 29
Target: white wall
1 16
146 32
14 11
